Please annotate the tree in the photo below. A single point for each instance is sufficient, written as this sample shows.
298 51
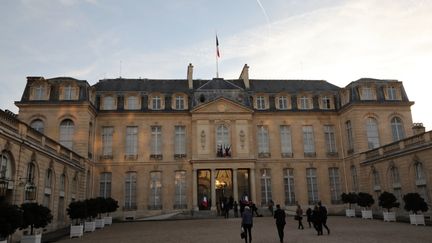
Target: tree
111 204
11 218
35 215
350 198
77 211
365 200
414 202
92 208
387 200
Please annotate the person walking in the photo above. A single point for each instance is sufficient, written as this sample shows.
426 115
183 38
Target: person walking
317 220
247 223
309 216
279 215
299 216
235 208
323 211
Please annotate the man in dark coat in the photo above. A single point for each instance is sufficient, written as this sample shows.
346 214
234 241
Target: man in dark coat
323 211
279 215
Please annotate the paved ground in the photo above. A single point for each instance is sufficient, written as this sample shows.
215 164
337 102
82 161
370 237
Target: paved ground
264 231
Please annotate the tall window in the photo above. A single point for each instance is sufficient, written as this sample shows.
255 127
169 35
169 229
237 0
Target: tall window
156 103
395 180
335 186
372 133
355 185
30 182
263 140
308 140
312 186
285 136
5 166
155 190
39 92
37 125
69 93
180 140
349 133
61 202
74 187
260 103
289 187
266 192
105 184
330 138
391 93
48 185
376 180
179 102
130 190
67 129
156 140
304 103
180 190
132 102
107 141
421 181
397 129
62 186
131 141
283 103
326 102
108 103
366 93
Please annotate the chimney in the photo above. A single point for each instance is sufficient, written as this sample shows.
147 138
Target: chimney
244 75
189 75
418 128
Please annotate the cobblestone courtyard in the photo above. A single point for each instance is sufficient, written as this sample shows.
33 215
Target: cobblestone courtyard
264 231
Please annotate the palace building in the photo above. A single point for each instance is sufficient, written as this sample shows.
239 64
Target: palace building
161 146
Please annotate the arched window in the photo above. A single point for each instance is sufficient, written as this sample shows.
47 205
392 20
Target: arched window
47 191
67 128
38 125
398 132
5 167
372 133
376 180
223 144
30 188
349 133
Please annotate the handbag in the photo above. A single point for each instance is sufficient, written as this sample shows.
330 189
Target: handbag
242 233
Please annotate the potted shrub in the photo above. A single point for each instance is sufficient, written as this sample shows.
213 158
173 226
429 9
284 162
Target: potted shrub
10 220
100 209
365 200
350 198
415 203
77 213
35 216
388 201
91 213
111 206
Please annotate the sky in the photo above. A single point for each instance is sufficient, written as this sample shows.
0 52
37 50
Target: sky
339 41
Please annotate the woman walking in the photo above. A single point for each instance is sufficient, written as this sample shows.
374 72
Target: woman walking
247 222
299 216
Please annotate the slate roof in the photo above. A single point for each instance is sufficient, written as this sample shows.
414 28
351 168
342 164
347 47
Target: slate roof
151 85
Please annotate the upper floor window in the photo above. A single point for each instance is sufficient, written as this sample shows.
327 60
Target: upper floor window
156 103
260 103
156 140
330 138
367 93
108 103
283 103
67 129
397 129
62 186
285 137
132 102
349 133
223 144
180 140
107 141
38 125
308 140
263 140
132 141
304 103
39 92
326 103
392 93
179 102
372 133
69 92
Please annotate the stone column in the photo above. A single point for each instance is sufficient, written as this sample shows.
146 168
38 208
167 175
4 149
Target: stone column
235 186
194 190
213 189
253 188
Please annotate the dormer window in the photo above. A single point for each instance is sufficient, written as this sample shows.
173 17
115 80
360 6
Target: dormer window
283 103
156 103
179 102
132 103
108 103
326 103
392 93
304 103
367 93
69 92
260 103
39 92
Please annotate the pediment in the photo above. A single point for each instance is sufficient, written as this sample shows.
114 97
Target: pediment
221 105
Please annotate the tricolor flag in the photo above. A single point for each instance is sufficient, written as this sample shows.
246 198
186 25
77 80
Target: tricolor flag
217 47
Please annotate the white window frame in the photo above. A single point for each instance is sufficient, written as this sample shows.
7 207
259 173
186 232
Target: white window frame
180 190
67 130
354 178
367 93
155 199
156 102
108 103
372 133
130 190
283 103
397 128
156 140
179 102
392 93
289 186
263 139
304 103
107 141
330 138
312 185
132 102
38 125
335 184
180 140
131 141
285 137
105 184
266 190
326 103
222 136
39 92
260 103
68 92
349 133
308 140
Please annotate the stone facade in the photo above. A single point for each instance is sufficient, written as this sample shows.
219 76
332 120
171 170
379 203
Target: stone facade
159 146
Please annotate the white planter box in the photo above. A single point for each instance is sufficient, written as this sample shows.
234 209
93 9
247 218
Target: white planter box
76 231
89 226
417 219
99 223
108 220
350 212
389 216
31 238
366 214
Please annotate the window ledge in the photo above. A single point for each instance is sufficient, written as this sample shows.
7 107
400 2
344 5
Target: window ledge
131 157
309 154
264 155
287 155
